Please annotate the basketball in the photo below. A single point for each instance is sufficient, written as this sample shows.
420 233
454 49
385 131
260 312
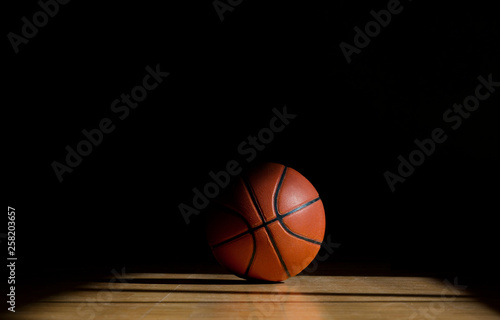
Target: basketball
269 225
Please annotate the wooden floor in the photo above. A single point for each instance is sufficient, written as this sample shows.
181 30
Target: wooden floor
223 296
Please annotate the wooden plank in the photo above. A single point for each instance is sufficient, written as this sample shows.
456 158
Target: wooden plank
222 296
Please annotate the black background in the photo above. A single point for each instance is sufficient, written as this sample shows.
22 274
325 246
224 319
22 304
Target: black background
120 205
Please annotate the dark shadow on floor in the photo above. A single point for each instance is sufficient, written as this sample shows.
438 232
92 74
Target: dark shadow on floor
284 292
193 281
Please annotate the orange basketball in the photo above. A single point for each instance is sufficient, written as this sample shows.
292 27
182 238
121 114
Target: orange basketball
269 225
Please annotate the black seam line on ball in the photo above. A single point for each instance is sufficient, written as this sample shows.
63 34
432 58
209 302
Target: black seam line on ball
251 230
229 210
250 192
277 213
223 207
276 193
293 233
253 255
298 208
298 235
259 210
220 206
